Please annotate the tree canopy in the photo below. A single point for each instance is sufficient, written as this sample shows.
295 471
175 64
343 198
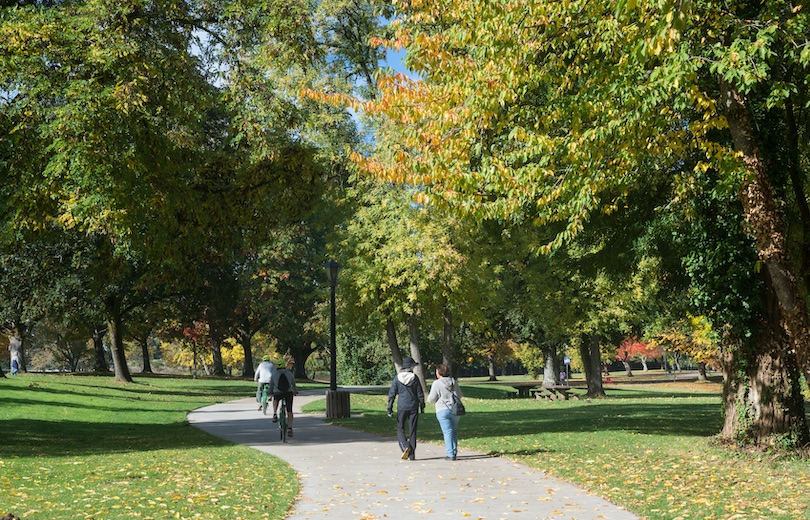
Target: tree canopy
562 111
555 173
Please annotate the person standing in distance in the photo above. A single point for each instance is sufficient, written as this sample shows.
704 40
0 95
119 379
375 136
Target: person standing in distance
263 375
411 402
441 393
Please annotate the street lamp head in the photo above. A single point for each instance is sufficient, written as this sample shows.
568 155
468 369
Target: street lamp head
332 269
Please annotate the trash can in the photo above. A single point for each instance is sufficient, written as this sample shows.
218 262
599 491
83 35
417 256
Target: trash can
338 404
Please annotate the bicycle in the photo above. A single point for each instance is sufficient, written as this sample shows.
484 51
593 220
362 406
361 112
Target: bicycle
265 397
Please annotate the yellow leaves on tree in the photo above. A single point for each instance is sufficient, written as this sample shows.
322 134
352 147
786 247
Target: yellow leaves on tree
555 109
692 336
183 354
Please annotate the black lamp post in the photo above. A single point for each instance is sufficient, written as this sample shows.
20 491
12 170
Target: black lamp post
332 269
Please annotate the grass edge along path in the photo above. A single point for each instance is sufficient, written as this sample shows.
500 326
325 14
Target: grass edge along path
89 447
648 447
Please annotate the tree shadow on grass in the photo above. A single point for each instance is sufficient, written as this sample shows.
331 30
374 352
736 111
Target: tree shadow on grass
503 390
133 391
524 452
66 416
634 393
39 438
687 419
493 392
95 407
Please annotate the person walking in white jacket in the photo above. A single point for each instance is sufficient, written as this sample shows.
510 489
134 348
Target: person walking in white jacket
263 376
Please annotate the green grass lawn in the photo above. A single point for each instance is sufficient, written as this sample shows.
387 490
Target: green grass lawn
648 447
88 447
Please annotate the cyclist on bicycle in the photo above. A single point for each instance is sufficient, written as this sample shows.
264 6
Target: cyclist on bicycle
264 377
284 388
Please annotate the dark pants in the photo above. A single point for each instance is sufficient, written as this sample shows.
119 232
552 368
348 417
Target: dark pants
411 418
287 397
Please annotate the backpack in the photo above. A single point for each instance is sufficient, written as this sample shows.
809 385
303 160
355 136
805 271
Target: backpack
283 382
456 406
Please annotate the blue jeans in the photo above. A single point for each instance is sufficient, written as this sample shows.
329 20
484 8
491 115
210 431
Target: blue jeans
449 424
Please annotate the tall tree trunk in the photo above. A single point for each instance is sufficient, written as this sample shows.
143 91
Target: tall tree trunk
702 372
393 343
245 336
447 336
491 368
16 344
194 361
551 370
115 328
769 397
763 404
797 183
203 362
143 341
416 354
100 363
591 364
217 368
300 352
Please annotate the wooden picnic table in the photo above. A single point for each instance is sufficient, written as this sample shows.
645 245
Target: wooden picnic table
536 389
555 393
524 388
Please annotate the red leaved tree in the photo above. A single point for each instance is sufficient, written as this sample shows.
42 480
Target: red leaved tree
633 349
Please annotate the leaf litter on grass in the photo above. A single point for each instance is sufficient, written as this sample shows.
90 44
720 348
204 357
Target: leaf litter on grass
193 476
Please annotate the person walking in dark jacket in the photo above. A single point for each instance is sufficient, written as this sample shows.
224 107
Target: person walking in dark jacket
411 402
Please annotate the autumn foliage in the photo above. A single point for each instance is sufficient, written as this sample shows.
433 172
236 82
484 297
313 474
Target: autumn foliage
633 349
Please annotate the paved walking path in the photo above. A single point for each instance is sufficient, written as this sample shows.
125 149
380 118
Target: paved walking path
347 474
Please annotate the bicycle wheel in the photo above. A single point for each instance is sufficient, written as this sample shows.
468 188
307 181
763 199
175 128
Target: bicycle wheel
282 422
264 400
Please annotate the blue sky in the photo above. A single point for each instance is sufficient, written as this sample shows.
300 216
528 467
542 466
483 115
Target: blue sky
394 59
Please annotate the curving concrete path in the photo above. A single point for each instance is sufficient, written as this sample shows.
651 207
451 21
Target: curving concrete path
347 474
